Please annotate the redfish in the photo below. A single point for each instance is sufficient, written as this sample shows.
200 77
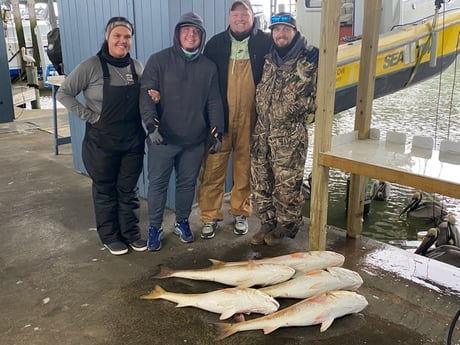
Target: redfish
300 261
226 302
318 310
245 275
308 284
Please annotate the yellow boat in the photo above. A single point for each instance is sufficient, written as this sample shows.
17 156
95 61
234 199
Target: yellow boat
409 52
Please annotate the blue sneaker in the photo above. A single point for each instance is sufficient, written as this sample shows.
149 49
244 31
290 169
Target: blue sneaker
182 229
155 237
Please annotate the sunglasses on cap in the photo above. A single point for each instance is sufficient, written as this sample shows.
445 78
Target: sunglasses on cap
285 18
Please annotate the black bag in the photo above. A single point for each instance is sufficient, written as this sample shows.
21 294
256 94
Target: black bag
54 51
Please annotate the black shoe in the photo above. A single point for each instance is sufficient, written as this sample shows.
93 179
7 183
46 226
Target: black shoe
139 245
116 248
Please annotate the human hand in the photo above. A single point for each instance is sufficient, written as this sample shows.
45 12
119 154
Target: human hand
154 94
216 141
155 137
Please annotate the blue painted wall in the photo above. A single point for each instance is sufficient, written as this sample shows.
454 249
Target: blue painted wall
6 94
82 24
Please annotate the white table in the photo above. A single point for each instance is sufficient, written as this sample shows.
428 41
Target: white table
428 170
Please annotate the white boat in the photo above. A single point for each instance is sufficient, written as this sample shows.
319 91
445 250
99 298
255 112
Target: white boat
417 40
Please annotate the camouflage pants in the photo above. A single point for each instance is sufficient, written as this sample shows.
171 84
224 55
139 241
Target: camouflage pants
277 170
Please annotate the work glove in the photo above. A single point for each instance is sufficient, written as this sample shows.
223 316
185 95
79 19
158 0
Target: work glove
155 136
215 141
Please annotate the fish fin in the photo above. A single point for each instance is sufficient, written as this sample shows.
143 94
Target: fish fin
165 272
223 330
226 314
252 264
239 317
326 324
268 330
180 305
216 262
314 272
155 293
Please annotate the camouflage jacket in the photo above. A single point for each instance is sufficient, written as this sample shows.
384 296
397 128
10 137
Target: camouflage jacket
286 95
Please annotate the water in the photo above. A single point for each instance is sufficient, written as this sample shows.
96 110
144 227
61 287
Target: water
419 110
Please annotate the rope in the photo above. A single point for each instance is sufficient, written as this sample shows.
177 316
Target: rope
440 81
425 48
452 327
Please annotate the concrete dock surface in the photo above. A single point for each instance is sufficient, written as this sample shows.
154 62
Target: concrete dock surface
59 286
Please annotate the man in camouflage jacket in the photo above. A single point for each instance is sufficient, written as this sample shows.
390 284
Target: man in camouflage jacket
286 103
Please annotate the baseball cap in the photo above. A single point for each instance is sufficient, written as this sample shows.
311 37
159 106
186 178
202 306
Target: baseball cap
245 3
284 18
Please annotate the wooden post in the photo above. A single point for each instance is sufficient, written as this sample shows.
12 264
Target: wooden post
365 96
33 25
19 30
325 99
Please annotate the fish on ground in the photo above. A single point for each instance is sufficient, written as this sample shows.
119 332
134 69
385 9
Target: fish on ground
307 284
321 309
227 302
247 275
300 261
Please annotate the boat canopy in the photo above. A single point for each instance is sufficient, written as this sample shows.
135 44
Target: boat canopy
395 13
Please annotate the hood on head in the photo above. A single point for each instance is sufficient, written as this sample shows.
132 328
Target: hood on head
192 19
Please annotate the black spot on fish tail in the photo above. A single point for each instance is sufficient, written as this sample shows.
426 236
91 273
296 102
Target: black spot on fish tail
155 293
223 330
165 272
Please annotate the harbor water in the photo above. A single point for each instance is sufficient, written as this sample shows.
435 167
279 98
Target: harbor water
430 108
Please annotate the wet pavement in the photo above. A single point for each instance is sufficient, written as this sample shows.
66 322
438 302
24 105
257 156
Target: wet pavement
58 285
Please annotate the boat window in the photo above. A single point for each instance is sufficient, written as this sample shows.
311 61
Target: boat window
313 3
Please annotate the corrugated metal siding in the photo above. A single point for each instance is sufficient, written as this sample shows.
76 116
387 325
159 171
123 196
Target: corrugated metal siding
82 24
6 94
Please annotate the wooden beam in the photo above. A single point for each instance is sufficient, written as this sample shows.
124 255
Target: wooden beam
365 96
367 67
325 99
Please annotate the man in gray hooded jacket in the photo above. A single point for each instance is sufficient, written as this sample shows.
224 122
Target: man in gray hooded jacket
180 122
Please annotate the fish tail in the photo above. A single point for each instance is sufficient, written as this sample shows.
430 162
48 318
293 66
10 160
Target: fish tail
223 330
155 293
165 272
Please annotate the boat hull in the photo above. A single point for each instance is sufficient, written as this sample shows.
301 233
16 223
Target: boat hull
403 59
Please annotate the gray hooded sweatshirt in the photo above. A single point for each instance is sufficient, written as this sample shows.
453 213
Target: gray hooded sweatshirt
190 102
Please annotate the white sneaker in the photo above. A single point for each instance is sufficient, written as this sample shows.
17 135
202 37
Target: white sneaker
241 225
209 230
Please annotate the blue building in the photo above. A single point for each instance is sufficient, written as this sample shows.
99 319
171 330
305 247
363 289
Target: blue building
82 24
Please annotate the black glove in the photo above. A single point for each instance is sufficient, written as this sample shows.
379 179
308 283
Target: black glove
155 136
216 141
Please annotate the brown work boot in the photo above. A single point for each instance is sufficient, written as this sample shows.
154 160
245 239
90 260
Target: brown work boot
275 237
258 237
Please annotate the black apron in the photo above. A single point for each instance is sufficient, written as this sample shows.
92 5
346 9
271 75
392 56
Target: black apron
120 126
113 152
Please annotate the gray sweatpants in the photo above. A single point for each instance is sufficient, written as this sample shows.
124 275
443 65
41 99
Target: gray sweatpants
186 162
